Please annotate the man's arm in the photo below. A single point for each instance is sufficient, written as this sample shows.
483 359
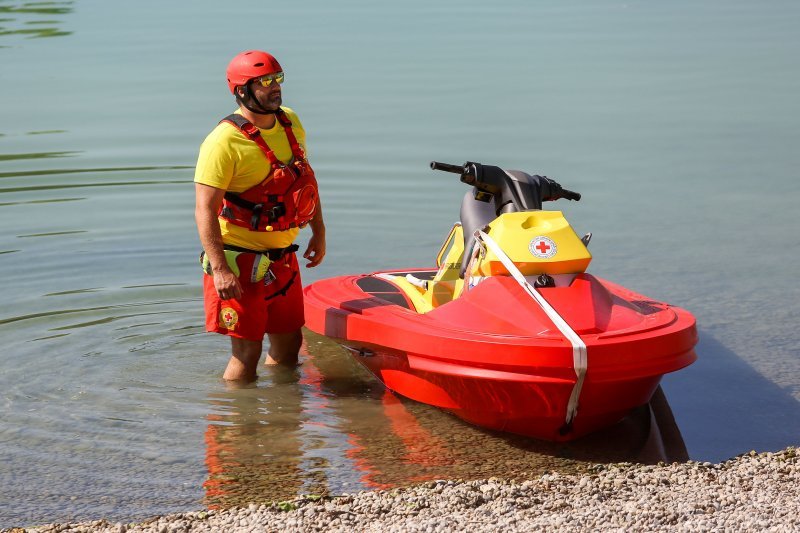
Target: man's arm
315 252
207 203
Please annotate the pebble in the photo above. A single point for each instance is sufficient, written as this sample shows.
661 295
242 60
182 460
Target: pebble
750 492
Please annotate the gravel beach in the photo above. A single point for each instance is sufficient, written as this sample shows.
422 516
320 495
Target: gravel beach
750 492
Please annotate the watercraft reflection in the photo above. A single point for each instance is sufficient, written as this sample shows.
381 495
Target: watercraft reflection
328 427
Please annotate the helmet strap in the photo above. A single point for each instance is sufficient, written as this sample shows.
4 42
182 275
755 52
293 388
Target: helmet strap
251 102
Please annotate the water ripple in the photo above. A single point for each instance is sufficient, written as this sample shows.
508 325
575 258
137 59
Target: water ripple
109 319
38 155
50 172
51 234
81 185
76 291
39 8
33 316
47 201
36 28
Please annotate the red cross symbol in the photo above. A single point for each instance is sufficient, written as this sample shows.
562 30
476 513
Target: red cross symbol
543 247
228 317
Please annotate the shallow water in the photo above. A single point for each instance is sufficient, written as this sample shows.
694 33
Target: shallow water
677 122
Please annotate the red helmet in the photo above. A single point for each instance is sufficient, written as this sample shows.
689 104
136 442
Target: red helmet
248 65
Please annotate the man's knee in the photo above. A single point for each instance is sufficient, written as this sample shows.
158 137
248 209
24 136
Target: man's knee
244 360
246 349
284 347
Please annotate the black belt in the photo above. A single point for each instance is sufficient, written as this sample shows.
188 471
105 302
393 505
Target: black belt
274 254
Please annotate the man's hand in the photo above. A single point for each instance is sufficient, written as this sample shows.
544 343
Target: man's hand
227 285
316 250
207 204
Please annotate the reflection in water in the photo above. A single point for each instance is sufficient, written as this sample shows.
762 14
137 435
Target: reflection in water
48 201
75 291
66 313
421 447
46 132
83 185
34 19
253 442
36 155
328 427
26 173
51 234
41 8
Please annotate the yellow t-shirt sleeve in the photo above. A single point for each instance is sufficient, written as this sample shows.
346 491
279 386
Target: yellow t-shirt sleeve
215 163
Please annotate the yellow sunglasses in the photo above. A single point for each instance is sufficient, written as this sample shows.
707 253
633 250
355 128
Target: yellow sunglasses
267 80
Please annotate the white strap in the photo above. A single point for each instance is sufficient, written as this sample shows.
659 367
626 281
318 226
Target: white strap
579 353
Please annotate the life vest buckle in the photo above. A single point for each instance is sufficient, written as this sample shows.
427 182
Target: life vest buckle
250 130
276 212
276 254
256 218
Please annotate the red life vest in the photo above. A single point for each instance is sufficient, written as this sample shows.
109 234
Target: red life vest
287 198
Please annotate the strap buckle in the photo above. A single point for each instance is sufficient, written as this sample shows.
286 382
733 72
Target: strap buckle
276 212
256 218
276 254
250 130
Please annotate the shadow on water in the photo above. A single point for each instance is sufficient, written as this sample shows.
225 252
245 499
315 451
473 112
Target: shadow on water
329 427
725 407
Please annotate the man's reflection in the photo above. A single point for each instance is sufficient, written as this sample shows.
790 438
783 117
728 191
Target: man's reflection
253 441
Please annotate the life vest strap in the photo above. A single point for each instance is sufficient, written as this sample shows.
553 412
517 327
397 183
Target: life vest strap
297 151
254 134
257 209
273 204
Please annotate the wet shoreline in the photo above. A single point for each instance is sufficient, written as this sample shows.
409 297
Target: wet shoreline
751 491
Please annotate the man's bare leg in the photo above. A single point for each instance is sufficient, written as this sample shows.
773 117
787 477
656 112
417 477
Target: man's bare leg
283 348
244 360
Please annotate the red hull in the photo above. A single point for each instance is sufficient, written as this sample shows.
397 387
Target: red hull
493 358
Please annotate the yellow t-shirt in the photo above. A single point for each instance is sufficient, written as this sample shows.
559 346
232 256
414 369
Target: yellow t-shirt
230 161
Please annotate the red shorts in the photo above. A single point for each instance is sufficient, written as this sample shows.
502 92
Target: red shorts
273 308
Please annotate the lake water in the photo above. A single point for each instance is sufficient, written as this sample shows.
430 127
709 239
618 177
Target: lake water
678 122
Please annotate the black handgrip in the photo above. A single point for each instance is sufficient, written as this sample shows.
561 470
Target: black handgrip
571 195
455 169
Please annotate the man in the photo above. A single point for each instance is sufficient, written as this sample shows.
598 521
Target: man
254 191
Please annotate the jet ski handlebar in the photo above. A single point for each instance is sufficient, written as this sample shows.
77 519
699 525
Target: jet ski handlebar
455 169
570 195
469 172
492 180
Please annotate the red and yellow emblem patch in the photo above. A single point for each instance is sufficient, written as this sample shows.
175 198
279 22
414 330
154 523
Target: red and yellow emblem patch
228 318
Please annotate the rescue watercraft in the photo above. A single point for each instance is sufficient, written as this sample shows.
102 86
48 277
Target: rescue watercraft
508 332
